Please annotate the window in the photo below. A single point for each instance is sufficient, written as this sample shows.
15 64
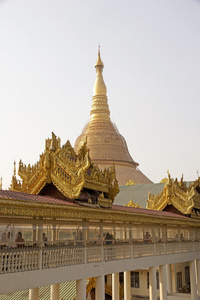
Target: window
157 280
187 274
135 280
179 280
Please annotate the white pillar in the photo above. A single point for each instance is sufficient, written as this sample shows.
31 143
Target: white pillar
55 291
127 285
173 269
198 275
81 289
152 284
33 294
115 286
101 231
193 284
54 232
40 243
163 282
100 288
34 233
169 279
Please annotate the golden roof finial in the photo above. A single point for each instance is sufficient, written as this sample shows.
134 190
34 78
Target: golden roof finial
99 85
14 170
99 62
1 183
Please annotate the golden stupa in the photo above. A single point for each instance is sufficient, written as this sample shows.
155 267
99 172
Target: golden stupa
106 144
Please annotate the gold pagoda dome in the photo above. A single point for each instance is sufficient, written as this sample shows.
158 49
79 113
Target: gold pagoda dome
106 144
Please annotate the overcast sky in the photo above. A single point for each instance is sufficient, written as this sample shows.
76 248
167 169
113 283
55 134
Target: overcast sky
151 55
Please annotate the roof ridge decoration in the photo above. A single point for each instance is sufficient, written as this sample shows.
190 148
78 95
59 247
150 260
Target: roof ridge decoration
183 198
132 204
69 172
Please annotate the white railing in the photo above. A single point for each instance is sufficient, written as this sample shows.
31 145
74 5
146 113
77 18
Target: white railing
59 256
18 260
63 254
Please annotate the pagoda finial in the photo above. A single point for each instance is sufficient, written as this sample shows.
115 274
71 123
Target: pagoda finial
1 183
14 170
99 62
99 86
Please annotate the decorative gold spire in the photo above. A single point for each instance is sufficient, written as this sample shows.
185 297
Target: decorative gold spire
14 169
99 62
99 86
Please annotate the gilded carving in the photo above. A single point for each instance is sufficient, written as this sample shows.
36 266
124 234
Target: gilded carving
175 193
132 204
131 182
69 172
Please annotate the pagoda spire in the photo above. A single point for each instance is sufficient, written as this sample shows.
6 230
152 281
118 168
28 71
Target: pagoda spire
99 85
99 107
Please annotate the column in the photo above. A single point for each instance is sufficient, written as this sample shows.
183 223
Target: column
179 234
54 232
34 231
169 278
55 291
101 239
174 283
130 233
153 236
40 243
163 282
33 294
81 289
115 286
100 288
198 275
101 230
127 285
164 234
193 284
152 284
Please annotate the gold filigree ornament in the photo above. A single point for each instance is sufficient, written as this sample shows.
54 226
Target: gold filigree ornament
132 204
175 193
67 171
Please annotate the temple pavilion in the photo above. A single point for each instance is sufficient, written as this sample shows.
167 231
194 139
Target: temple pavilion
90 239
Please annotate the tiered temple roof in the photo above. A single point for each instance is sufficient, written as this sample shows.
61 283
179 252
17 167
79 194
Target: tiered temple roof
62 173
170 195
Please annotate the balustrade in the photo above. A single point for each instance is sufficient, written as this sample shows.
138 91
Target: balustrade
64 254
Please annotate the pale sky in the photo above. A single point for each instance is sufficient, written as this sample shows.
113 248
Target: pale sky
151 55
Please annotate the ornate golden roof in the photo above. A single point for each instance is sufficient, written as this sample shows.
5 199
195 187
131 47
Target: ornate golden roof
184 199
69 172
106 144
